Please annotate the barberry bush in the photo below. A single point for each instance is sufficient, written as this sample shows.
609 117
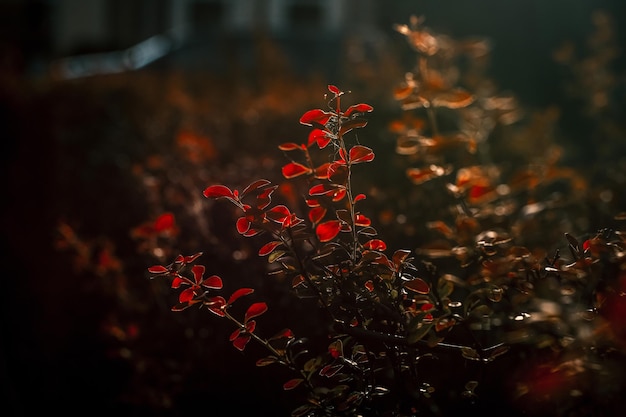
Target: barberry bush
428 330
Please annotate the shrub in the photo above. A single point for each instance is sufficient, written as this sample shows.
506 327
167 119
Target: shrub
537 326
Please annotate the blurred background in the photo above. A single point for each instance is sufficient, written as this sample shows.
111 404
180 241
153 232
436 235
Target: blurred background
115 112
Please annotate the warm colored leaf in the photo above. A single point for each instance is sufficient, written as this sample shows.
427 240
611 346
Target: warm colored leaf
294 169
336 349
255 310
375 244
362 220
241 341
360 153
421 175
164 222
189 259
198 272
243 225
369 284
239 293
290 146
319 136
177 281
217 191
254 186
186 295
358 108
315 116
359 197
399 257
338 173
418 285
215 305
328 230
269 247
213 282
334 89
292 383
316 214
321 172
158 269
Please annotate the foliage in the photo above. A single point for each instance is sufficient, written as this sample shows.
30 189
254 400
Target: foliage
482 292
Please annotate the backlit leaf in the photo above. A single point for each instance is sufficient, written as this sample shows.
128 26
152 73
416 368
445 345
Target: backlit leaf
319 136
315 116
360 153
328 230
294 169
255 310
269 247
358 108
254 186
316 214
217 191
213 282
334 89
164 222
418 285
238 294
290 146
215 305
241 342
243 225
336 349
375 244
186 295
158 269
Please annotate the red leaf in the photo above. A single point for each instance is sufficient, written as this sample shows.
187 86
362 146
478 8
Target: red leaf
292 383
283 334
238 294
359 153
294 169
334 89
164 222
369 285
336 349
289 146
279 214
215 305
241 342
317 116
321 189
319 136
186 295
189 259
176 282
358 198
321 172
362 220
316 214
217 191
418 285
254 186
358 108
197 271
328 230
243 225
255 310
375 244
269 247
213 281
158 269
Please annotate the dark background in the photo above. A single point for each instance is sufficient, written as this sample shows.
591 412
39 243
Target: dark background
72 140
